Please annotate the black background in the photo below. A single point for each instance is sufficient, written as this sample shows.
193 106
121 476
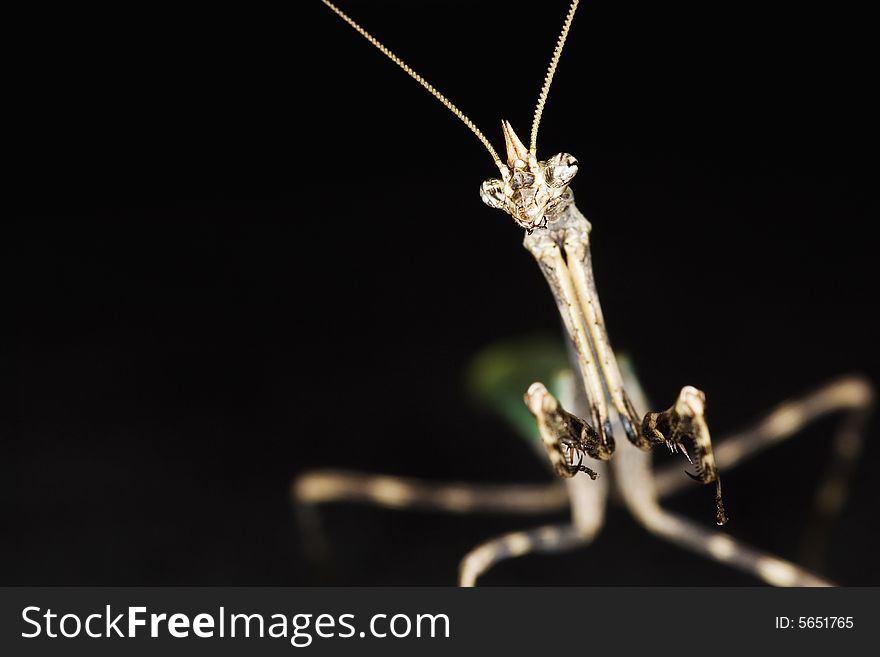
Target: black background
238 238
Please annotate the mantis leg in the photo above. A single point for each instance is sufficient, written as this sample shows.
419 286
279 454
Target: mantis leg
588 514
326 486
560 431
632 467
851 396
312 489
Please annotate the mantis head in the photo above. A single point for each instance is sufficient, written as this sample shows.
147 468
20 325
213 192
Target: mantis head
531 192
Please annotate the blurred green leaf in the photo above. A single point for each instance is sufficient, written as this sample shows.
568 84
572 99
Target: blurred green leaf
499 375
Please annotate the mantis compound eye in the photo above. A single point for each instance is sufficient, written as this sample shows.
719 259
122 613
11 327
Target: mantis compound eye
492 193
560 169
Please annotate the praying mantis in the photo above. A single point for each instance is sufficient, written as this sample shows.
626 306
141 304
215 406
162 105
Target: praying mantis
601 403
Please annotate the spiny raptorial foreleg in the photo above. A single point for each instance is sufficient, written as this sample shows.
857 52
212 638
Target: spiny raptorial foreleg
685 421
566 437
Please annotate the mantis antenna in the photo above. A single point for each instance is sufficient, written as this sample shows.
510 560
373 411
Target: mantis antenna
548 79
542 98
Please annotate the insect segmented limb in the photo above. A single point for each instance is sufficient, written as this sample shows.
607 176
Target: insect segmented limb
549 539
641 498
639 494
588 504
565 436
580 265
562 251
326 486
588 498
545 248
686 420
318 487
854 397
636 486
